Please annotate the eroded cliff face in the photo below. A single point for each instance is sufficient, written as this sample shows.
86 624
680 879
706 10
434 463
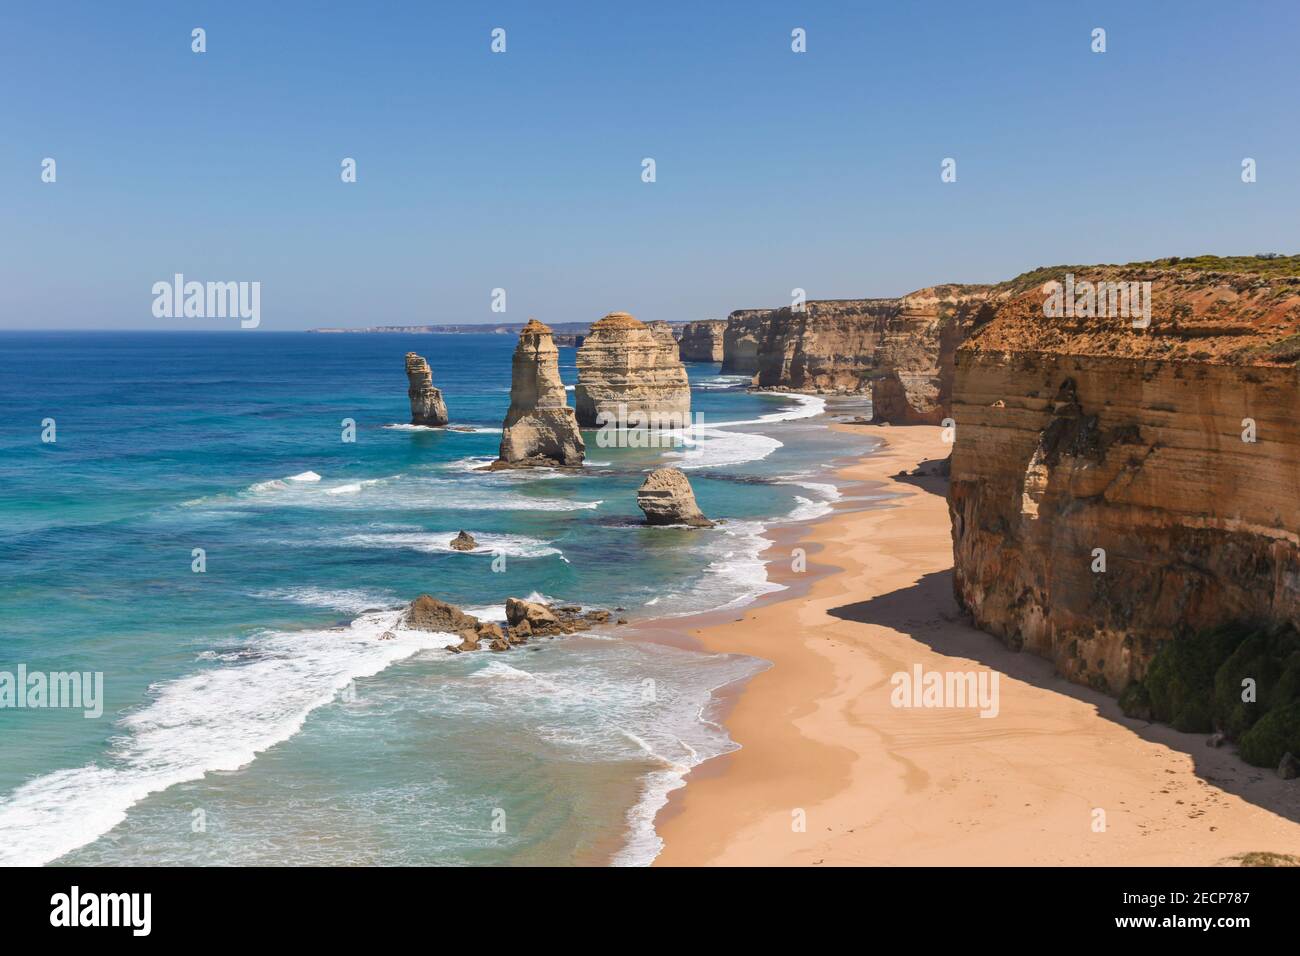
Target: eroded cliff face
702 341
900 350
629 371
539 428
427 406
1085 440
825 346
740 339
915 358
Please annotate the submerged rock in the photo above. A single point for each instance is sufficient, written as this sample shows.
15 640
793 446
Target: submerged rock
427 406
540 428
427 613
666 498
464 541
468 642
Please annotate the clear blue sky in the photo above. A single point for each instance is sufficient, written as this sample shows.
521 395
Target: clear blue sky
523 170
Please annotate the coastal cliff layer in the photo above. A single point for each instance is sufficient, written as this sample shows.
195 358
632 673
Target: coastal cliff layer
740 341
629 371
901 351
1118 487
822 346
916 348
702 341
539 428
427 405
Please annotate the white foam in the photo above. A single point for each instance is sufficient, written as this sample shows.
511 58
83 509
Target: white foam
435 542
451 429
806 406
220 718
342 599
261 487
712 448
806 510
488 612
396 493
723 381
305 476
678 757
351 488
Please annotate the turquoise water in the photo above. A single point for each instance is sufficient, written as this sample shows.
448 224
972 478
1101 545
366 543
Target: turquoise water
251 714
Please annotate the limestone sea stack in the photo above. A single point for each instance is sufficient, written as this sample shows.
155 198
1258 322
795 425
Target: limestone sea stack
702 341
539 429
427 406
630 373
664 333
666 497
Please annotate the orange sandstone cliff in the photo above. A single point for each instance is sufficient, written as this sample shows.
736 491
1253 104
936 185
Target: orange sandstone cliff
1116 487
900 351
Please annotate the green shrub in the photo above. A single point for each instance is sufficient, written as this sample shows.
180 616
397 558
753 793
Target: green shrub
1194 683
1255 658
1134 701
1180 680
1274 734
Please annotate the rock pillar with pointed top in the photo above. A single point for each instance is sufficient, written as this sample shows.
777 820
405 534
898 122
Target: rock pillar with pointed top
427 406
540 429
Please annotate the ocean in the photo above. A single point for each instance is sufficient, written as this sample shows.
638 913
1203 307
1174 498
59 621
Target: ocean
251 715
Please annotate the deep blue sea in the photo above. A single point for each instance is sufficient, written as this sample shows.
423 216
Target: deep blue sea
251 715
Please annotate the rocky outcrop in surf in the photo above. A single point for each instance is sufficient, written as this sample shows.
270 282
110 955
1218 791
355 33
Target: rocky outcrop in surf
628 373
428 613
666 498
464 541
427 406
525 620
539 429
702 341
1117 486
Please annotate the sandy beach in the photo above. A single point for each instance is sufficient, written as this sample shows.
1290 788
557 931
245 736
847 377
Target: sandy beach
831 773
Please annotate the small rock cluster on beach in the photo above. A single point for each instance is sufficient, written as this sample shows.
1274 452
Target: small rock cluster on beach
524 620
630 371
427 406
666 498
539 429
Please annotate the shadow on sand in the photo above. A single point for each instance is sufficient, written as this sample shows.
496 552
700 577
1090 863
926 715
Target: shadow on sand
932 476
942 627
